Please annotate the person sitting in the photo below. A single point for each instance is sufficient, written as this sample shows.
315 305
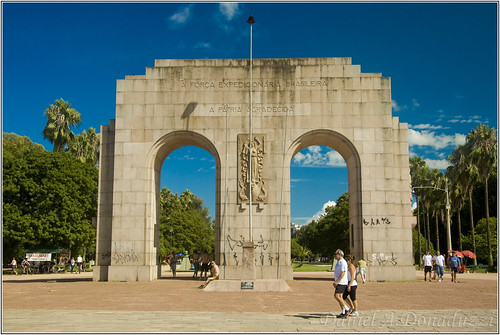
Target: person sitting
214 272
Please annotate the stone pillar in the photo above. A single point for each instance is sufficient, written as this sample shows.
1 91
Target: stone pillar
105 202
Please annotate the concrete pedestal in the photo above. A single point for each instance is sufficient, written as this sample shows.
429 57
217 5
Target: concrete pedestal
259 285
248 262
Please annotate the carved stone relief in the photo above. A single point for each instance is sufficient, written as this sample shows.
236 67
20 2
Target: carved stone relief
258 159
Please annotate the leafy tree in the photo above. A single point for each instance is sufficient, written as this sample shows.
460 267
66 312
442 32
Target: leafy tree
483 143
17 144
192 227
330 232
85 146
299 251
60 118
482 239
49 200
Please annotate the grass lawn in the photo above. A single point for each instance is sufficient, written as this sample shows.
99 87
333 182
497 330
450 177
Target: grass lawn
305 267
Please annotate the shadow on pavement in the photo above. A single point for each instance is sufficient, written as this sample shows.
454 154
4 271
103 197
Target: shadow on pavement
47 280
310 316
313 278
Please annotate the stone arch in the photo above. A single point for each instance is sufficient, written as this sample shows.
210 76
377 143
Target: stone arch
348 151
156 157
297 103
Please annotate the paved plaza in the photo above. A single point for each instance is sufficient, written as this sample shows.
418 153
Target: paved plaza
466 321
72 303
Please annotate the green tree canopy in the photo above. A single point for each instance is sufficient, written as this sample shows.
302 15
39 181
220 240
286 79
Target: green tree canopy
188 218
299 251
49 199
481 238
330 232
17 144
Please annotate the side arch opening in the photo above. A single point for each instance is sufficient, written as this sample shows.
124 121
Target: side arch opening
349 153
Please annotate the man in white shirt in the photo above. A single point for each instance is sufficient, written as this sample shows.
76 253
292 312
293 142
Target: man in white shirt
427 262
79 261
340 283
439 260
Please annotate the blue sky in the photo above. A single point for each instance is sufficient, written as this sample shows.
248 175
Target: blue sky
441 57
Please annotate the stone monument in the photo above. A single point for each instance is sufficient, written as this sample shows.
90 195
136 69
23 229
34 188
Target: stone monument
296 103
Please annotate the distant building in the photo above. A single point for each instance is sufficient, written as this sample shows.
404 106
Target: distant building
293 229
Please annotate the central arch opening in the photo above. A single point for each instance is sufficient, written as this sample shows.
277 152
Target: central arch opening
319 207
337 149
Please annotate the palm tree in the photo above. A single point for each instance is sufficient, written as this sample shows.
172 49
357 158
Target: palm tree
60 118
436 198
483 143
457 201
420 177
458 175
465 174
85 146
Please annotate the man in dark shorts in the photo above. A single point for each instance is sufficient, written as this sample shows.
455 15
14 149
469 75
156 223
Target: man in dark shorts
195 260
205 266
340 283
454 263
427 262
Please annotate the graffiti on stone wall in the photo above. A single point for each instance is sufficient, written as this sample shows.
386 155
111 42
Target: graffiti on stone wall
377 221
253 158
106 255
381 259
123 254
260 244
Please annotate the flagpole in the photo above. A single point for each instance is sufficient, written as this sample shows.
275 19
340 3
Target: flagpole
251 21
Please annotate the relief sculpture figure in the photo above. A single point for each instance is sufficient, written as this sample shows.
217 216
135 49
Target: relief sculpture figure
255 155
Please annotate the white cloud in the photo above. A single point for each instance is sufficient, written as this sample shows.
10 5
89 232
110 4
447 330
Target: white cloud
314 156
472 119
440 164
335 159
395 106
460 139
229 10
202 45
322 212
415 103
181 16
424 126
428 138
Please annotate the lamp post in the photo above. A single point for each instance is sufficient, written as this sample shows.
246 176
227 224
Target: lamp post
418 225
448 224
251 21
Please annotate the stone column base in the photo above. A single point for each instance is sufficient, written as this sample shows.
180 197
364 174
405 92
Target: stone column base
132 272
259 285
391 273
100 273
